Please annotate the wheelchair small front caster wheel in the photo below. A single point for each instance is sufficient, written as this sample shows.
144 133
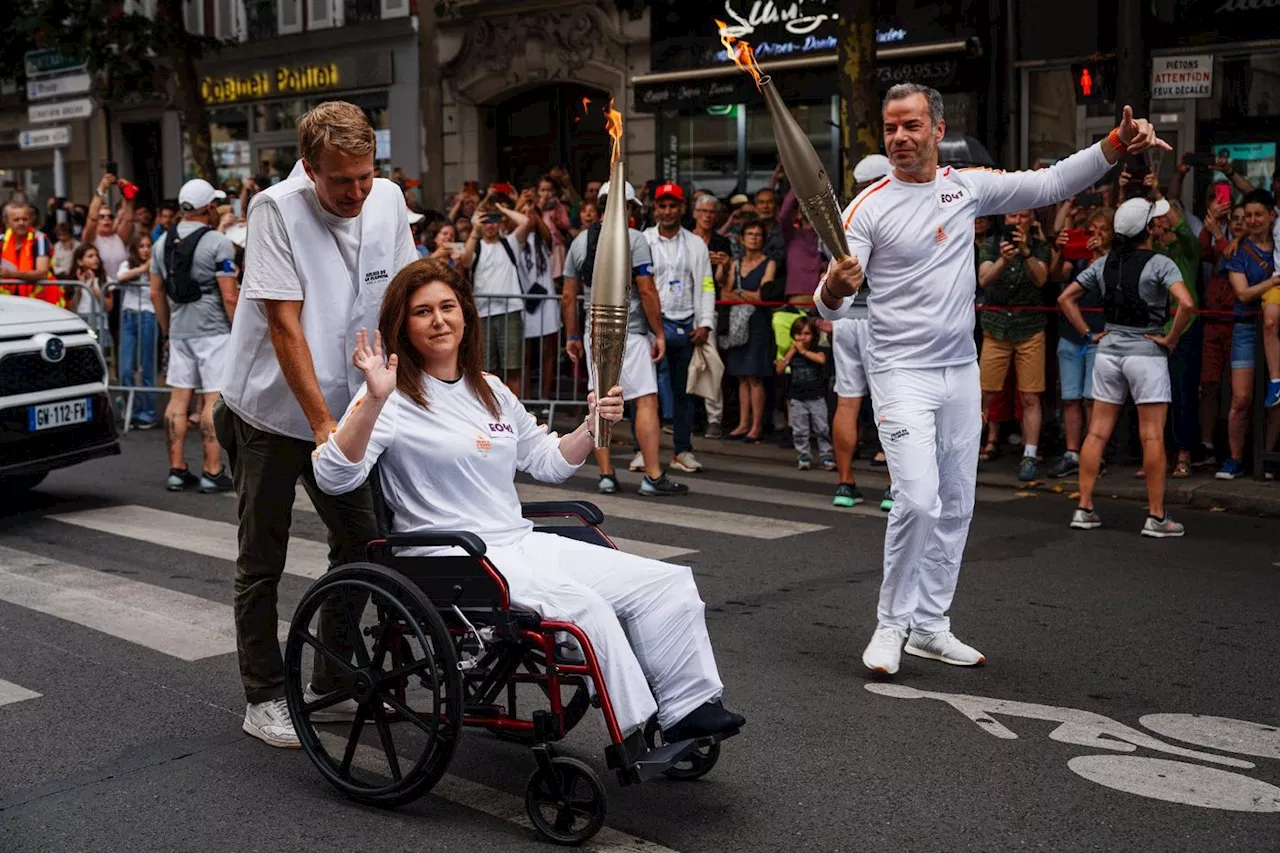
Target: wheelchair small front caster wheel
695 765
567 804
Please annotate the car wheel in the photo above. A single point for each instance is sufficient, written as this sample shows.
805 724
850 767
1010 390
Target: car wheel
21 482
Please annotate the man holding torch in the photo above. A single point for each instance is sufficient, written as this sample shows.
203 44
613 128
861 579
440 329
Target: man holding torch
911 234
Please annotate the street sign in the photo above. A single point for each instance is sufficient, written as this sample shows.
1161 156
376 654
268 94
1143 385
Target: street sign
1182 77
50 61
43 88
60 111
44 137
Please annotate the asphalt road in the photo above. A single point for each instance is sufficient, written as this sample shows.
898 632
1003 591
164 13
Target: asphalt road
1130 700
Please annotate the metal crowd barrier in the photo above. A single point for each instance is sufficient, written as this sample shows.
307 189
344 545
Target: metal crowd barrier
131 386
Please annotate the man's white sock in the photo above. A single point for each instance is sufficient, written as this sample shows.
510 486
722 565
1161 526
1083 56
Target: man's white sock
1029 450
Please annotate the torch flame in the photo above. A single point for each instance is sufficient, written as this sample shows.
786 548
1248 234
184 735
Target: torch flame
740 51
586 105
613 122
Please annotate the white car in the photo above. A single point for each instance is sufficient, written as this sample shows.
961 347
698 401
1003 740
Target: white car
54 408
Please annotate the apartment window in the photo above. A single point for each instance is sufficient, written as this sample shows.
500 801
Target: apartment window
319 14
290 16
146 8
262 19
194 16
395 8
228 19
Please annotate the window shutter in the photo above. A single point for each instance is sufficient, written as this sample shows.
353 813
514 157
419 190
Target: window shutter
319 14
395 8
194 16
290 16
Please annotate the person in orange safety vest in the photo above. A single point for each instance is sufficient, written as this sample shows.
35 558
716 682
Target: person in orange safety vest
26 255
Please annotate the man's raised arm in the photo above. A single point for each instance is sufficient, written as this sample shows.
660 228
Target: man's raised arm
1005 192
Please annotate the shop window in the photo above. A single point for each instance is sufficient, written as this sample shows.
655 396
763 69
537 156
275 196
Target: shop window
232 155
708 150
277 116
1051 116
762 145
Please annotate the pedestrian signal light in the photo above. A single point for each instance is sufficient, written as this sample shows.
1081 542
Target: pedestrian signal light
1092 82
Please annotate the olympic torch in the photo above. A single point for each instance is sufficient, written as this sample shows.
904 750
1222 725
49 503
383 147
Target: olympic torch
805 171
610 283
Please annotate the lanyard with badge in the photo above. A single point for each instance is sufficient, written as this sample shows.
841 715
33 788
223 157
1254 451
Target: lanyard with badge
674 273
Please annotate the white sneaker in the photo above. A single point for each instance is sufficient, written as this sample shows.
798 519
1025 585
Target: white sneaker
342 712
884 652
686 462
269 722
637 462
1165 528
943 646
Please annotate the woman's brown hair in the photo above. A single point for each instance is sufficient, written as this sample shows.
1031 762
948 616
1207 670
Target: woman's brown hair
393 323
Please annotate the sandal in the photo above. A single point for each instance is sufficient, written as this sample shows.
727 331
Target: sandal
1182 469
991 451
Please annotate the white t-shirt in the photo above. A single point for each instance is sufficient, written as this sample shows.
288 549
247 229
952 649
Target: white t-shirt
452 465
111 250
915 244
495 275
137 293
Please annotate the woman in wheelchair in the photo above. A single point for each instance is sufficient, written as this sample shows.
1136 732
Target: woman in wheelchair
450 439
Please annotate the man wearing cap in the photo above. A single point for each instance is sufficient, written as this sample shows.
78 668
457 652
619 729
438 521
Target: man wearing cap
322 247
193 291
1135 285
687 290
645 347
912 233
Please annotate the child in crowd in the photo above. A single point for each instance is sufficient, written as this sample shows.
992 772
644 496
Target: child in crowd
807 393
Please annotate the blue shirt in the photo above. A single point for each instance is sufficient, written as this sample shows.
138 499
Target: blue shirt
1243 261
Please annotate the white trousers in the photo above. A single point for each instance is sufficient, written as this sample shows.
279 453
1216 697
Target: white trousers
665 650
930 424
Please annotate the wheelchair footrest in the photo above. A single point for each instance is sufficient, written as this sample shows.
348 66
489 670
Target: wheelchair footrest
653 762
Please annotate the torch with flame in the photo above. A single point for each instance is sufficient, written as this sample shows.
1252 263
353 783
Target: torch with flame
607 315
804 170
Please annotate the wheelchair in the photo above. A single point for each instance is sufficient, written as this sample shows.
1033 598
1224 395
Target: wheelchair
435 644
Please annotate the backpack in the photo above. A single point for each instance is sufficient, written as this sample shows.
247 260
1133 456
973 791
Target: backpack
179 254
1122 305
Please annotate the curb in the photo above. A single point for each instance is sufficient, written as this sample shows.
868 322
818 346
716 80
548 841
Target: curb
1239 497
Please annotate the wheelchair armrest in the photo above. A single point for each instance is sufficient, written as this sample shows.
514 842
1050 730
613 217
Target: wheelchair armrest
588 512
468 542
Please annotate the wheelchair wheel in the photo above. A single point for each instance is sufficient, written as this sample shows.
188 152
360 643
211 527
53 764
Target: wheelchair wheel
566 805
695 765
379 640
575 707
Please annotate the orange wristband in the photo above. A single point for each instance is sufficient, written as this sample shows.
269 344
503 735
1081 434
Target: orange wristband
1114 138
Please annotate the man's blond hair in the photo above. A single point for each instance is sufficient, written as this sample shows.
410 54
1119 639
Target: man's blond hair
335 125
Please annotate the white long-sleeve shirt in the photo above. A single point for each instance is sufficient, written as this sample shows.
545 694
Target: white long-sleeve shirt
915 244
682 272
452 465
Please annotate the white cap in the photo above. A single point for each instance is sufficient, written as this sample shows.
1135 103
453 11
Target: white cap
631 191
871 167
198 193
415 217
1134 215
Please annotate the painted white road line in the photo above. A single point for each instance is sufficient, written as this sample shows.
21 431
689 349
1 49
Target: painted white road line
652 550
986 494
173 623
10 693
677 513
491 801
701 484
202 536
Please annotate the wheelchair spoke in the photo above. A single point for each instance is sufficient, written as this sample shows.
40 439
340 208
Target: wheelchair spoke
308 638
430 727
385 637
414 668
353 741
327 700
353 632
388 744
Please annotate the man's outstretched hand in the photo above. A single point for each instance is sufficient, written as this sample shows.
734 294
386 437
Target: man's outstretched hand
1137 134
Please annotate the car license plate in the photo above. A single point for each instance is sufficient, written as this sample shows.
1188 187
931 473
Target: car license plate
66 413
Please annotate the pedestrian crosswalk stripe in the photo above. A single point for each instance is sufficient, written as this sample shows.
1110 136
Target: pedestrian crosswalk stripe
677 513
10 693
174 623
700 484
203 536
